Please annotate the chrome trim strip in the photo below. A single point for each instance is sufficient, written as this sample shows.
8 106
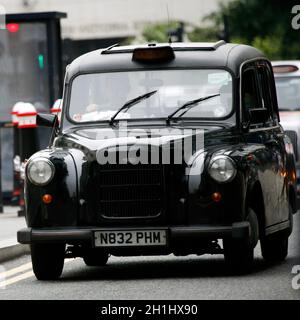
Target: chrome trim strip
264 129
278 227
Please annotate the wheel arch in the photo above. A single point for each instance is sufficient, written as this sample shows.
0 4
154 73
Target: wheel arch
255 200
63 210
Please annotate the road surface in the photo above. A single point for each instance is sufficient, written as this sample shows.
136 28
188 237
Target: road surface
170 277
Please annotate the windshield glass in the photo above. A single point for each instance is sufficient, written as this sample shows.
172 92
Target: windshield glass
98 96
288 93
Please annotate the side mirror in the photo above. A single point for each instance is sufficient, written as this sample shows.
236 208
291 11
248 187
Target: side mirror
46 120
259 115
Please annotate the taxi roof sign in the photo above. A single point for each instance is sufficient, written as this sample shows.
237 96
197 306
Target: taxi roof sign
153 54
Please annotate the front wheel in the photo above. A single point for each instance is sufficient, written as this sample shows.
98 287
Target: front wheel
47 260
274 248
239 253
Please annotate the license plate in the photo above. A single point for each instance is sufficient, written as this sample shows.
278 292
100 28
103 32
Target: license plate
130 238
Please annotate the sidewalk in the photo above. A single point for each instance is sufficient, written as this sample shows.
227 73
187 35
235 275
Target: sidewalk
10 223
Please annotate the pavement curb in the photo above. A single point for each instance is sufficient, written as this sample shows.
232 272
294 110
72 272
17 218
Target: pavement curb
10 249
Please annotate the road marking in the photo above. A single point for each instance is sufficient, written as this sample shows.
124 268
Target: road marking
18 278
6 282
16 270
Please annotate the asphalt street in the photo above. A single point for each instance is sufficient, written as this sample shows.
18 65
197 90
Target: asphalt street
170 277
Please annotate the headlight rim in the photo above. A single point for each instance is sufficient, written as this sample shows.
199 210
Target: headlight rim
31 162
217 157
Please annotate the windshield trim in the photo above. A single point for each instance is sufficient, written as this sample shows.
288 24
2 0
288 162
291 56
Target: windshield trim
66 107
159 122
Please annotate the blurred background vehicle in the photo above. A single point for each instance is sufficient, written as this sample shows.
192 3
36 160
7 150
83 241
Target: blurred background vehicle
287 80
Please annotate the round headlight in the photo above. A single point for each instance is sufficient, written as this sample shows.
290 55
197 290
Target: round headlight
222 169
40 171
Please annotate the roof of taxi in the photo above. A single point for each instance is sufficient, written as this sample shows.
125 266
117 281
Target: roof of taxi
187 55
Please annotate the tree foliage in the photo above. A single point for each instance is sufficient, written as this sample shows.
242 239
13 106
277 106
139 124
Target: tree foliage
265 24
206 34
159 32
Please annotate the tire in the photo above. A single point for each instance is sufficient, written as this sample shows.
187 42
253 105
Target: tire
94 258
47 260
239 256
239 253
274 248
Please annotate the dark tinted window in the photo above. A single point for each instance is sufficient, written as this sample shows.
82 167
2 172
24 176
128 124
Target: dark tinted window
250 97
264 88
267 89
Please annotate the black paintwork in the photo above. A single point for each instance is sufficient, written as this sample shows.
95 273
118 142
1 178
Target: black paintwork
265 177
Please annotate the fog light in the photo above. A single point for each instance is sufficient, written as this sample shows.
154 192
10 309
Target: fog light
216 196
47 198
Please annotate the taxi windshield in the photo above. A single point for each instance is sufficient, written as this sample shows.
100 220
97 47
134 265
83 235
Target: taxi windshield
98 96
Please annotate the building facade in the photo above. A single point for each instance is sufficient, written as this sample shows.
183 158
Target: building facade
94 19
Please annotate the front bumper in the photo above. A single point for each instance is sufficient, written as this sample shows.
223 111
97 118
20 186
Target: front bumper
175 234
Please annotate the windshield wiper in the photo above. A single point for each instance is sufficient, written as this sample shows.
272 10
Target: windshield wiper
190 104
131 103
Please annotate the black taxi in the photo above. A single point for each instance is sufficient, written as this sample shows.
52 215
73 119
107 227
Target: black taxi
162 149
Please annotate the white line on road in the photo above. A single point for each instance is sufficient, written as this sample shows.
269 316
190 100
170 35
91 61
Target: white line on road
4 275
18 278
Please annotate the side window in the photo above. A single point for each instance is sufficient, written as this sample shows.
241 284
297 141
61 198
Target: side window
272 90
265 88
250 93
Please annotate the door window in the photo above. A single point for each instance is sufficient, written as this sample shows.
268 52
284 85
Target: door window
250 96
264 85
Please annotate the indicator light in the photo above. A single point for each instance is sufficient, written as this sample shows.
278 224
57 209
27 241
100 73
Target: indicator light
47 198
216 196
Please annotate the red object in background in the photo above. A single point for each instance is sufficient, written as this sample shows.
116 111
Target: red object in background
21 202
13 27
